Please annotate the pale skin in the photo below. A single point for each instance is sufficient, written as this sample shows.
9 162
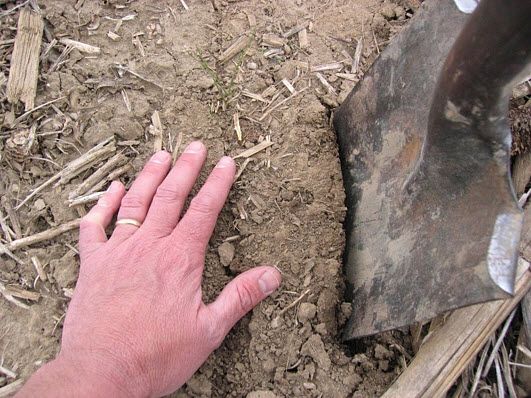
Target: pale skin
137 325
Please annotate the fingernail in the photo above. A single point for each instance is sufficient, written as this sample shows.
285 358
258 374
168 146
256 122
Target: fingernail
194 147
268 282
114 187
160 157
225 161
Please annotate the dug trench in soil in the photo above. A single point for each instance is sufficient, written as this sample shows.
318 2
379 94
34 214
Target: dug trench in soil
297 62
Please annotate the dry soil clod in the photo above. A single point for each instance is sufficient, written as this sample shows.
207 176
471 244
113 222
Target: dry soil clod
226 253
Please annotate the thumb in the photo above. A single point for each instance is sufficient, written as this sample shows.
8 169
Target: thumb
242 294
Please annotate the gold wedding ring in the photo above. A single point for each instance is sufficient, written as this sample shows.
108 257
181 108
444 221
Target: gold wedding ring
129 221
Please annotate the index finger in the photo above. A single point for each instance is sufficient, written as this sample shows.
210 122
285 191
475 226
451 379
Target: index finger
198 223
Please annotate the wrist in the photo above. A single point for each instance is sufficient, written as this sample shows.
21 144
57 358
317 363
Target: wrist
71 378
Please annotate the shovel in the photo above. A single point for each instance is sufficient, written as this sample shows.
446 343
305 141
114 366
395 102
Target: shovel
433 223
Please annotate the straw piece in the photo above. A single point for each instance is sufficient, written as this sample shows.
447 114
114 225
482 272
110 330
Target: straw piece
348 76
43 236
75 167
281 103
289 86
8 372
82 47
24 69
303 39
325 67
237 127
126 168
111 164
18 292
273 40
357 56
294 30
325 83
177 147
238 45
449 350
11 299
185 6
156 131
254 96
39 268
85 199
254 150
10 389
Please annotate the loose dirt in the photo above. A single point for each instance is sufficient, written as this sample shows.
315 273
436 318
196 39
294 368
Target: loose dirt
286 208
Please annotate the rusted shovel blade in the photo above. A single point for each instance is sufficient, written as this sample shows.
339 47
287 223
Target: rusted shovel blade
433 223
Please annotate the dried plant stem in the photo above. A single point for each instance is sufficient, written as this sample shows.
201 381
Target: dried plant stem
357 56
238 45
24 69
85 199
111 177
294 303
449 350
10 389
496 347
75 167
11 214
254 150
43 236
281 103
8 372
26 114
11 299
39 268
111 164
7 252
82 47
479 370
177 147
5 228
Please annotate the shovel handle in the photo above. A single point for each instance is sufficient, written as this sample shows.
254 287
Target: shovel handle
490 56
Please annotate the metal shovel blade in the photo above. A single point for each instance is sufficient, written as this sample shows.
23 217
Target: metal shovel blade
433 223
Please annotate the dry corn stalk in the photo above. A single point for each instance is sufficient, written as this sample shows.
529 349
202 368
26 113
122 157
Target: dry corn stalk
24 70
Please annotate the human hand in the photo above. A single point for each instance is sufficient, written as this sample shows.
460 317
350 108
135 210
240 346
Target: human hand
137 324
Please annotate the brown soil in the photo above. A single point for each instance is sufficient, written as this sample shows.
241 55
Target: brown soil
520 119
287 207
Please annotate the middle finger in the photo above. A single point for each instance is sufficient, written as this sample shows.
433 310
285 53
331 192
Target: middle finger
171 195
136 202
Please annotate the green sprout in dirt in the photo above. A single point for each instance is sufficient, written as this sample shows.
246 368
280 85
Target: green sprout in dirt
226 90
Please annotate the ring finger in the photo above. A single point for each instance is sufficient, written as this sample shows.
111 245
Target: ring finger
135 204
